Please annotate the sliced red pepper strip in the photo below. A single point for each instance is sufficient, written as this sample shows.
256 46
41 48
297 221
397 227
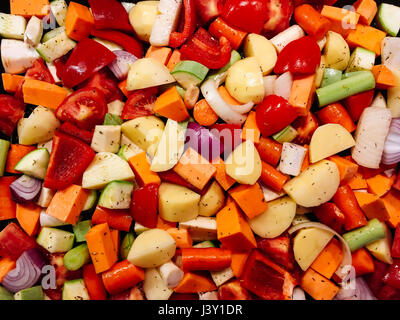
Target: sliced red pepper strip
110 14
68 160
177 39
130 44
72 130
88 57
14 241
201 47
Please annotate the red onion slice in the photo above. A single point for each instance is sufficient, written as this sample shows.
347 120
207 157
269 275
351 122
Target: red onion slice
26 273
25 189
120 66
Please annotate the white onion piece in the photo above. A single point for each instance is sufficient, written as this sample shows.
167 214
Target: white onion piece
121 64
379 101
224 110
391 150
292 158
370 136
390 53
47 220
270 195
210 295
346 264
283 85
298 294
282 39
269 84
361 292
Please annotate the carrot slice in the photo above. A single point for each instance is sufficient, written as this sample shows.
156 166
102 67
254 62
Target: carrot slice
204 114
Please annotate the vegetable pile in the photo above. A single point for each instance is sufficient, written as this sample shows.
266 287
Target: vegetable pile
200 149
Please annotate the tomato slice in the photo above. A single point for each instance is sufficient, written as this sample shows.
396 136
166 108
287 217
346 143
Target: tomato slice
106 83
140 104
68 160
39 71
14 241
11 110
85 108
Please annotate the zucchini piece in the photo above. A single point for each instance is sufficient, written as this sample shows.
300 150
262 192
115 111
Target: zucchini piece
361 59
90 201
35 163
331 76
33 293
127 244
12 26
59 9
77 257
4 146
205 244
56 47
5 294
55 240
52 33
116 195
388 18
189 73
112 120
75 290
81 229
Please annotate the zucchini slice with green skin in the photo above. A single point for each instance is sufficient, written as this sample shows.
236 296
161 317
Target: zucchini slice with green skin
116 195
126 245
33 293
4 146
388 18
189 73
52 33
35 163
55 240
12 26
55 47
90 201
75 290
59 9
81 229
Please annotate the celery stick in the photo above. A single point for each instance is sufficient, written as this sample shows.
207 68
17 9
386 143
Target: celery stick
331 76
77 257
360 237
347 75
345 88
4 146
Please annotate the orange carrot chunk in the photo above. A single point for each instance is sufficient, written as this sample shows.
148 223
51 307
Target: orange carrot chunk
329 259
312 21
79 21
366 37
174 59
302 93
204 114
380 184
16 153
8 208
317 286
384 78
28 217
6 265
362 262
222 178
250 199
195 282
367 10
141 167
11 82
170 105
342 20
250 129
182 237
161 54
29 8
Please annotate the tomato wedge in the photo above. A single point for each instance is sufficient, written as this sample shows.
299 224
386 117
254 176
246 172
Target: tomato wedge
39 71
85 108
140 103
11 110
106 82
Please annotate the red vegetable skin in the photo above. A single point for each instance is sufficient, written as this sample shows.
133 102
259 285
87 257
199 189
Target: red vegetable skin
233 291
85 108
68 160
266 279
208 10
356 104
329 214
11 110
87 58
300 57
176 39
14 241
392 276
273 114
305 127
140 103
374 279
62 273
39 71
278 250
172 177
94 283
279 13
388 293
144 205
110 14
247 15
396 243
129 43
201 47
106 82
72 130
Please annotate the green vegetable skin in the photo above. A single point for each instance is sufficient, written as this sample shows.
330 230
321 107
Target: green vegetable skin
205 244
5 295
77 257
345 88
126 245
34 293
4 146
81 229
331 76
360 237
112 120
286 135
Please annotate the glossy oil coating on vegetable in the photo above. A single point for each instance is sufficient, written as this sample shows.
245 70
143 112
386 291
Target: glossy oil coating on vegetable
200 150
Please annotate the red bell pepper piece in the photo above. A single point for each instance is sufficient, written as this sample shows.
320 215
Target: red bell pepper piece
68 160
374 279
177 39
94 283
300 57
247 15
172 177
72 130
346 201
208 10
220 28
356 104
39 71
392 276
116 219
388 293
123 275
201 47
110 14
305 127
11 110
396 243
329 214
140 103
266 279
233 291
318 4
273 114
87 58
144 205
130 44
278 250
279 14
14 241
209 259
